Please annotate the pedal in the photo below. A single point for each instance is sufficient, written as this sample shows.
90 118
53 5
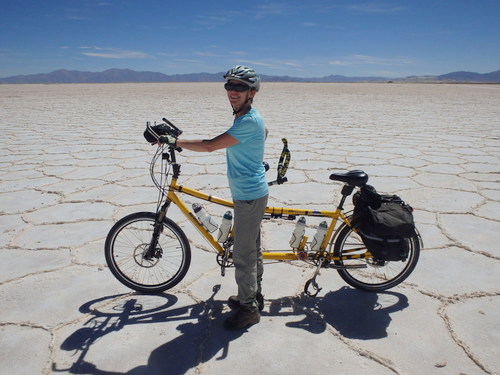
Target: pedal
222 271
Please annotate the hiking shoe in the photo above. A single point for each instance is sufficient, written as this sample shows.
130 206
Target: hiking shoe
235 302
242 319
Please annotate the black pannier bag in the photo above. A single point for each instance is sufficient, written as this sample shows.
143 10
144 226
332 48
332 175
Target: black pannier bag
384 222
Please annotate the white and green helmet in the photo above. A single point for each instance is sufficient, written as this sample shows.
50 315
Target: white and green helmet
244 74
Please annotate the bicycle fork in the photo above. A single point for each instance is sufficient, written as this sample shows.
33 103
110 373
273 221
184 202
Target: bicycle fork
153 251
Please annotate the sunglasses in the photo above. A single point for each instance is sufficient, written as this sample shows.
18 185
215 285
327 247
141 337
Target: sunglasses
236 87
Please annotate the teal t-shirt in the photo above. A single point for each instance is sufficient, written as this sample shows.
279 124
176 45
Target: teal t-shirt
246 173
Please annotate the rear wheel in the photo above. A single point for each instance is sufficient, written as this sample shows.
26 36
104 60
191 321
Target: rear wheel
378 275
126 247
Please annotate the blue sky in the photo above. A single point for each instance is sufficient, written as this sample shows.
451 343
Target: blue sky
311 38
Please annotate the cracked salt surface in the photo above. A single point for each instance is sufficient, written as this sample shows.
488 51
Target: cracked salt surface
73 161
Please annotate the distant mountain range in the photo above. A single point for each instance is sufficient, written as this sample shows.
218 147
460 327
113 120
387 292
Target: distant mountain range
127 75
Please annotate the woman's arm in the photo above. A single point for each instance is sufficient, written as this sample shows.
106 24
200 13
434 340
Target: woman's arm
224 140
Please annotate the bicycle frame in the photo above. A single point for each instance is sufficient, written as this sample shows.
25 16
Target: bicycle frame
272 212
277 212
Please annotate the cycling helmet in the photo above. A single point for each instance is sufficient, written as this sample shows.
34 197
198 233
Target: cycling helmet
244 74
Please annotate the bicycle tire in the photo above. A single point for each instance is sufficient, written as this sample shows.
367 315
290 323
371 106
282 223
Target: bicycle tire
378 275
126 244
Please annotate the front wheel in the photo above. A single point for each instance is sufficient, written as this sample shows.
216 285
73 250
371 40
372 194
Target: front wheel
126 250
378 275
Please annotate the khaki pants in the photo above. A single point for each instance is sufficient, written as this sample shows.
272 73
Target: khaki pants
247 255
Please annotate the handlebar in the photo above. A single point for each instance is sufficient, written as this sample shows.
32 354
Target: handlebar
153 133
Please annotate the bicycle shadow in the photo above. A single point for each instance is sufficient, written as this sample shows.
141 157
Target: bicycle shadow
176 356
354 313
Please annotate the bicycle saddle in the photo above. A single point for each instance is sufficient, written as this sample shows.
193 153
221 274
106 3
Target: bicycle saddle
353 178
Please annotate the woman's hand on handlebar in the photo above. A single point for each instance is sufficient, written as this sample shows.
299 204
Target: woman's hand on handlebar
168 139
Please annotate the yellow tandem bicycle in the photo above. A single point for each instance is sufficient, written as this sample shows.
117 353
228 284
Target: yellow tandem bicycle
150 253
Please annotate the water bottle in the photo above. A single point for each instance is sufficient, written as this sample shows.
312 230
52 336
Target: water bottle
298 233
204 217
225 227
319 236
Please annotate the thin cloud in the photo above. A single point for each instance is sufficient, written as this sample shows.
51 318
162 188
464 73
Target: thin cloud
340 63
375 8
206 54
273 9
239 53
255 63
114 53
118 55
292 64
99 48
189 61
371 60
213 21
210 21
271 64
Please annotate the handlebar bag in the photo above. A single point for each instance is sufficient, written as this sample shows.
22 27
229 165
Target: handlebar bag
160 129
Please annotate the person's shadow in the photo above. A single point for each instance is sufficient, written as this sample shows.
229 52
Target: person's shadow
354 314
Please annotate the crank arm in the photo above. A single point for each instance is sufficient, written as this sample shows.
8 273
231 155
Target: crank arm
312 281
